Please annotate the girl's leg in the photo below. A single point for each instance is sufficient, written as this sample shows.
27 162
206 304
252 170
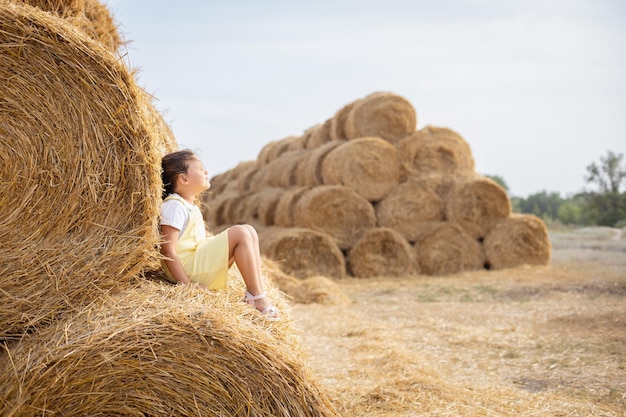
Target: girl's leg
243 248
255 242
257 248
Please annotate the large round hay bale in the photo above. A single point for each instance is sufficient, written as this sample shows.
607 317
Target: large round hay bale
80 170
283 213
308 172
338 122
476 204
303 252
335 210
368 165
435 150
445 248
384 115
407 207
163 350
381 252
516 240
319 136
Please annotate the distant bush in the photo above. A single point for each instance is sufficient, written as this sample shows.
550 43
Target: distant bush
621 224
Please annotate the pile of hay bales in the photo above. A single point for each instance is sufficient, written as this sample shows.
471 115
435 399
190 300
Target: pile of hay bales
82 329
392 199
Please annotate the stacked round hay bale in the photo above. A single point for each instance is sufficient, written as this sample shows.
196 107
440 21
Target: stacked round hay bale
158 349
394 200
81 328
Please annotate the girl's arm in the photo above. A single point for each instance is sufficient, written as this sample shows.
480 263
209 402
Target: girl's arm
168 249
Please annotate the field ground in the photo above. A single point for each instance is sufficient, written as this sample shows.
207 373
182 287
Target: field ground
527 341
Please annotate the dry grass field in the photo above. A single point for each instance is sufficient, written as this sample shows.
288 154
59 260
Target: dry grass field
527 341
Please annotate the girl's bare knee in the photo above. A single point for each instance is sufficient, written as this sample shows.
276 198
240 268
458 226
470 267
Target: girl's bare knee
240 234
252 231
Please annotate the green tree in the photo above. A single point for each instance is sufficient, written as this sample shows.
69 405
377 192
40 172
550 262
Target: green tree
607 204
542 204
571 212
609 175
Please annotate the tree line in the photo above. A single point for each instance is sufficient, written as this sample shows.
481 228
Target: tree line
603 204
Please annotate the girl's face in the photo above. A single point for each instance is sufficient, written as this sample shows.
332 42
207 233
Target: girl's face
197 176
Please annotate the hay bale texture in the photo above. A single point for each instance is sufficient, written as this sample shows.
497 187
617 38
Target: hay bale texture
381 252
408 207
445 248
520 238
309 169
384 115
90 16
436 150
373 170
79 166
375 185
336 210
303 252
163 350
477 204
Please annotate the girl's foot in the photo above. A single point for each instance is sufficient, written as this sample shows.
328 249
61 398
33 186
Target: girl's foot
261 303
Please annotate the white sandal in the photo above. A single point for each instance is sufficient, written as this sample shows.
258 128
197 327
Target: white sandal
271 312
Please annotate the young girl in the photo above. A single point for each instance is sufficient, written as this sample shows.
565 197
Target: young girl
191 256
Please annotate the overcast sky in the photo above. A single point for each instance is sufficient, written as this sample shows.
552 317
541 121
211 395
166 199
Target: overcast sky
536 87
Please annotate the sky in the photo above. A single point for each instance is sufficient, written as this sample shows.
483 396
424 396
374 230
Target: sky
536 87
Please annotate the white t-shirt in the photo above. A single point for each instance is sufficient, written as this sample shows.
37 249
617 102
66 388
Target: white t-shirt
175 213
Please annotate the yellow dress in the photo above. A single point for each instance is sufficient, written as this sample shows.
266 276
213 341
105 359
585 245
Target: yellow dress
204 259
